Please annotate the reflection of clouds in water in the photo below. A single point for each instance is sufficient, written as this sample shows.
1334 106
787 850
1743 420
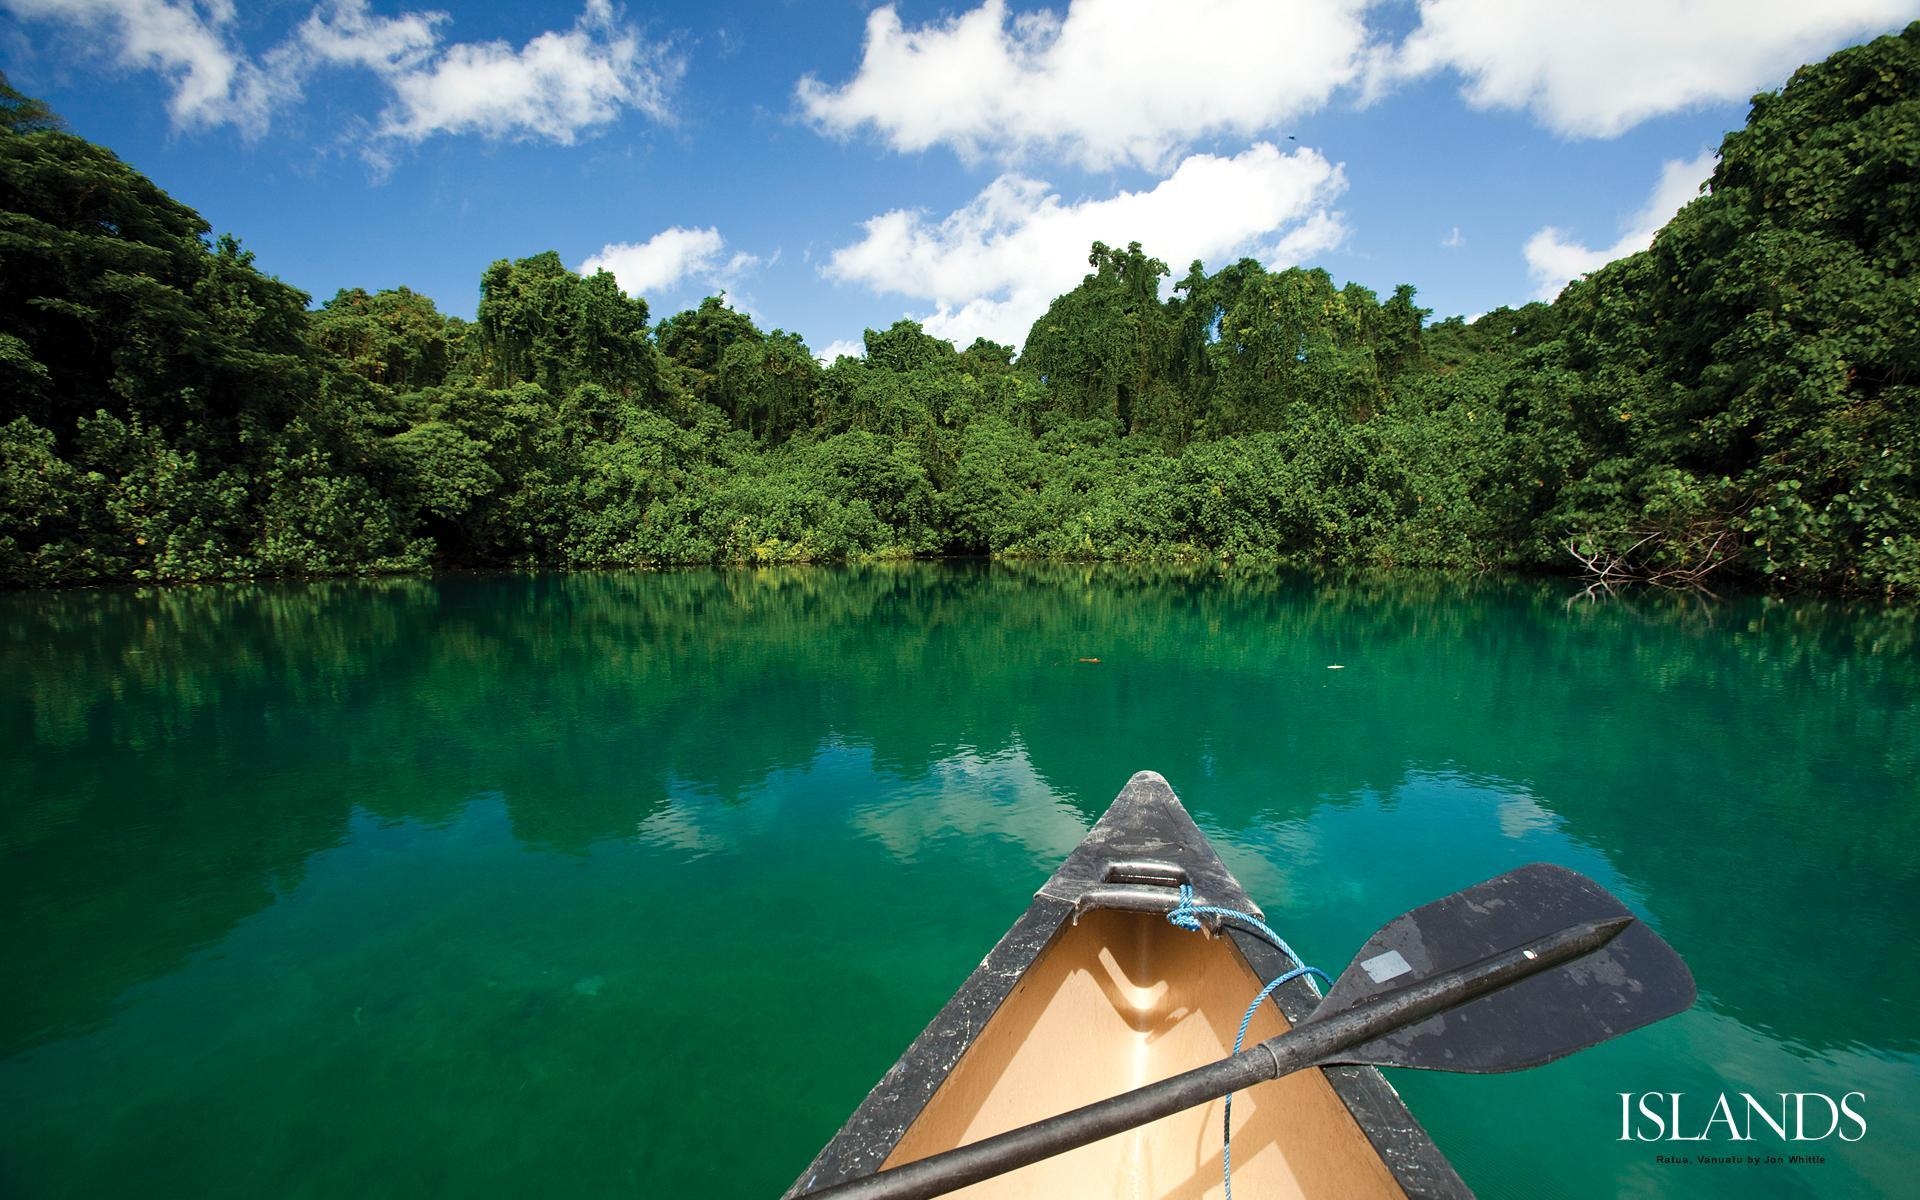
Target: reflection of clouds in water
965 795
970 795
678 827
1521 814
1277 865
692 822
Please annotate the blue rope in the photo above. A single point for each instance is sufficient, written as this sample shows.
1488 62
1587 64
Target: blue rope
1186 915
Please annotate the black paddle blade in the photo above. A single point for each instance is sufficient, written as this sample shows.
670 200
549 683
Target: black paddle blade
1634 979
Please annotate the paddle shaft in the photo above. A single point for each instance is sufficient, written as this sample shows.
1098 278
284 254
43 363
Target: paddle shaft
1312 1042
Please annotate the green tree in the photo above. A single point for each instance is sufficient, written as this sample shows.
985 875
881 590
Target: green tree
395 337
767 385
24 114
698 339
1749 382
540 323
1106 348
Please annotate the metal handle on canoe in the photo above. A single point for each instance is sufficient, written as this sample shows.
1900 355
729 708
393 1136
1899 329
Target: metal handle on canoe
1126 897
1314 1041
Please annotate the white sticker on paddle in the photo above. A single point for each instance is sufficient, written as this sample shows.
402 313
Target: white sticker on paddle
1382 967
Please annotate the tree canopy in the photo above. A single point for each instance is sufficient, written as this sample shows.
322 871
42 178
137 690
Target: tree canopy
1738 401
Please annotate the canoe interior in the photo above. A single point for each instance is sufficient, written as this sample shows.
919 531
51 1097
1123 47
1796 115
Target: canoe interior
1123 999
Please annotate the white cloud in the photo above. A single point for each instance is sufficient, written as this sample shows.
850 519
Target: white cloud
991 267
343 33
673 256
1113 81
659 262
557 86
1553 258
840 347
213 83
1591 69
552 88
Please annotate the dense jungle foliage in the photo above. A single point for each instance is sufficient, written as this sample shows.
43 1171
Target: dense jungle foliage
1737 401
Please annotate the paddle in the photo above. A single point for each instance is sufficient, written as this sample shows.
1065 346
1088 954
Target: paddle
1525 968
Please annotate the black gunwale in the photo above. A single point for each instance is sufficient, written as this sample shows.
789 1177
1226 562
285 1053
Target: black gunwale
1145 822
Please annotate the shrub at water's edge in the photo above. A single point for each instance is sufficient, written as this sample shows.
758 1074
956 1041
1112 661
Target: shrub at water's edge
1737 402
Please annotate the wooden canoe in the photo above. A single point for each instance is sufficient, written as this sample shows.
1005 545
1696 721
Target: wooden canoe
1093 992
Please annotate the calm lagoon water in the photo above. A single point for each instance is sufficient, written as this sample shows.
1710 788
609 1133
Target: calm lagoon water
634 883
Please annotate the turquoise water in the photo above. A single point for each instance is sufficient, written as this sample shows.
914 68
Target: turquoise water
634 883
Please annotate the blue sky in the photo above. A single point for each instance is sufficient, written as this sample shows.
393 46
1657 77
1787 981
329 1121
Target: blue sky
836 165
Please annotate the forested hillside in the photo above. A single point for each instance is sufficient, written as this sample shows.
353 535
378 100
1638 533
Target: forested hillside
1737 402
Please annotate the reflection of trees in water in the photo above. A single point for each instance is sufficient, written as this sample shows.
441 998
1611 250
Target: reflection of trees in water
181 752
